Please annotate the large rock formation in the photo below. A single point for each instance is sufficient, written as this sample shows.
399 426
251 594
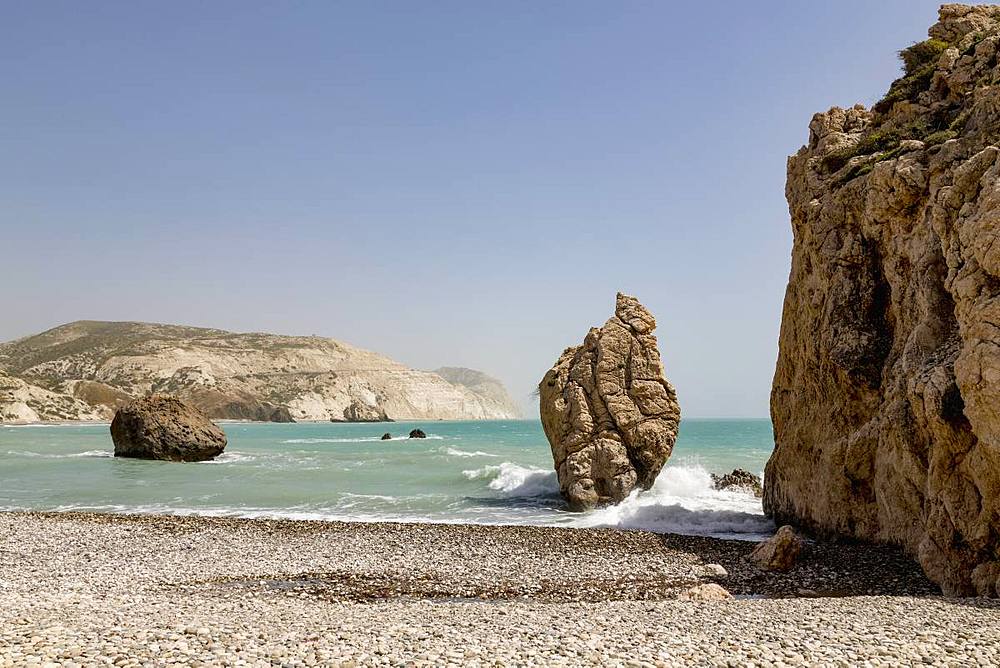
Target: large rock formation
609 414
886 397
87 370
161 427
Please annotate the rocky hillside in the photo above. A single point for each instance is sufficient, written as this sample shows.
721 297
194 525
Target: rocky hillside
85 370
490 390
886 397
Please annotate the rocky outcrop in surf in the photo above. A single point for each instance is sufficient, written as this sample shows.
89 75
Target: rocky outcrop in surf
738 480
87 370
161 427
609 413
886 393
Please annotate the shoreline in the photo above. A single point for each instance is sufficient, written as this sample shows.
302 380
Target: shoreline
82 423
79 587
491 473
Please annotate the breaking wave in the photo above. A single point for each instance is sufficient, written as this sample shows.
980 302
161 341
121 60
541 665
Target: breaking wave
70 455
684 500
513 480
455 452
362 439
230 458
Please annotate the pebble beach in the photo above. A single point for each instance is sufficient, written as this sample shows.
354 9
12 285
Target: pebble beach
128 590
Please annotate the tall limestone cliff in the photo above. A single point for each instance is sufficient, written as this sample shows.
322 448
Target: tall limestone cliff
86 370
886 397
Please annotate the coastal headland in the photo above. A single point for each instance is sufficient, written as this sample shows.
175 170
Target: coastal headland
87 370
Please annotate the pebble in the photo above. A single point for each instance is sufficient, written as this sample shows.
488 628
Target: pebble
714 570
82 590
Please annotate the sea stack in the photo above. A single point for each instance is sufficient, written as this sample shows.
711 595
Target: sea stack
609 413
886 397
162 427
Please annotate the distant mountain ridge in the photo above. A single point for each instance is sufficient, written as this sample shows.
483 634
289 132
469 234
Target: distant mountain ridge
84 370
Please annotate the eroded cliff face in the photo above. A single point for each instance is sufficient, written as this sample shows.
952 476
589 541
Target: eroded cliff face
86 370
487 389
23 402
609 414
886 396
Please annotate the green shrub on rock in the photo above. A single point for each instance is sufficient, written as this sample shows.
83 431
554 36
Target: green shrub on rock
939 137
919 62
921 54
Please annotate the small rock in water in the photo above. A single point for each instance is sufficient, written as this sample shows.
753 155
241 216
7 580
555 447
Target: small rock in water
386 436
418 433
739 479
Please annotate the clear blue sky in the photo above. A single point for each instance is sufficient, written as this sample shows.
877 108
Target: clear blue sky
461 183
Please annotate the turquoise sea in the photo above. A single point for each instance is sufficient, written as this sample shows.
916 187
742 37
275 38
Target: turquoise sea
476 472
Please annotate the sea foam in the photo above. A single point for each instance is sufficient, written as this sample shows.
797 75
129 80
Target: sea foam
68 455
684 500
455 452
362 439
514 480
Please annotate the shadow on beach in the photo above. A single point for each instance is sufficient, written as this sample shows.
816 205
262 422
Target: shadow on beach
826 568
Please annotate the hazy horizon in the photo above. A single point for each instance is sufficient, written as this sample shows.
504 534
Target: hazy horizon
448 185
